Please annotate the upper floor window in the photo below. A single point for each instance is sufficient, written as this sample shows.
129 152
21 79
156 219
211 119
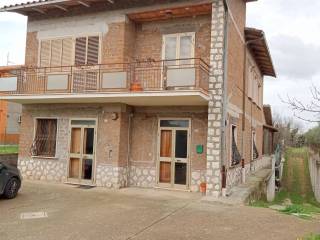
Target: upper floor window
69 51
178 46
255 92
57 52
87 51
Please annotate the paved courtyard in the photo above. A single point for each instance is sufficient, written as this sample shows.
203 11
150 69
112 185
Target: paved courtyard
94 214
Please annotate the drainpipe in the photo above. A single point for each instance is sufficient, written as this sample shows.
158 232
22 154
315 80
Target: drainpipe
129 148
224 104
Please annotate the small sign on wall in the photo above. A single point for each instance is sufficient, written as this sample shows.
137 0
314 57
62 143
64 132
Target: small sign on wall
199 149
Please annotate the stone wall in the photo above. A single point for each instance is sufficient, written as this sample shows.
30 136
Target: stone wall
234 175
314 169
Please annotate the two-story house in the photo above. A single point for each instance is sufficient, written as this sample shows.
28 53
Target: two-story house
122 93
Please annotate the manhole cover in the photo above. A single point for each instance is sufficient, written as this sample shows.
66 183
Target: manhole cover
33 215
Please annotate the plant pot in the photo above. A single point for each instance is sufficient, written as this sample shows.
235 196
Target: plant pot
203 188
136 87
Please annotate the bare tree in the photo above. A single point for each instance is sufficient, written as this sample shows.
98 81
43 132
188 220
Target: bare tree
312 108
289 131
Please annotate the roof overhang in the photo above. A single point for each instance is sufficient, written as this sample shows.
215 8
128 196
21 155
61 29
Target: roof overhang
271 128
46 8
258 46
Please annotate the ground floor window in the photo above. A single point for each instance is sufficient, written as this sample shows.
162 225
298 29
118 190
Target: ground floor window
255 153
45 138
235 154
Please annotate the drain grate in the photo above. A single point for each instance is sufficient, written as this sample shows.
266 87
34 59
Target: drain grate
85 186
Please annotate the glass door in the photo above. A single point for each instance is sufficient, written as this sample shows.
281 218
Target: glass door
82 151
173 167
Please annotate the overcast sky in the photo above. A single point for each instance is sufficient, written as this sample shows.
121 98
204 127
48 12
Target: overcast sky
292 30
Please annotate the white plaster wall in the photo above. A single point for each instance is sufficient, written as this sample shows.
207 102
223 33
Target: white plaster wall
75 26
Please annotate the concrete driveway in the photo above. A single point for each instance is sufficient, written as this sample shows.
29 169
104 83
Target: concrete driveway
94 214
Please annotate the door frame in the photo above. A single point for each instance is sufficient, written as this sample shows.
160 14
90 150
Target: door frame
171 185
94 164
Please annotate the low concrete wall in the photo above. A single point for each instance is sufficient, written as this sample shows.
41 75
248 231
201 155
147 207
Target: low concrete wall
314 168
11 159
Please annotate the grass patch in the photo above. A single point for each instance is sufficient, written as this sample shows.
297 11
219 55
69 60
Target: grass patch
296 191
7 149
311 237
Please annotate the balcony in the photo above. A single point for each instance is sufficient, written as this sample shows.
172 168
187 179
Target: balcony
175 82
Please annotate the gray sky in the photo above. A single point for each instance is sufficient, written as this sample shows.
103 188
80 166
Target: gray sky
292 30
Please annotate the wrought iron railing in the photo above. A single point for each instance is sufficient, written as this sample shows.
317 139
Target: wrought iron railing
177 74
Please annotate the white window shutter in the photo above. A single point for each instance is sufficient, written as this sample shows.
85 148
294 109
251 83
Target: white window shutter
67 46
56 52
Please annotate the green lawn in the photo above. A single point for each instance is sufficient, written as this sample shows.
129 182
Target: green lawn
296 187
4 149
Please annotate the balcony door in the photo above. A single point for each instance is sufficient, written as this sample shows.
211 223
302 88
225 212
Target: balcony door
173 161
82 151
86 59
178 56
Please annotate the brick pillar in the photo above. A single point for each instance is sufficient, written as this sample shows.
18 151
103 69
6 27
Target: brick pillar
215 104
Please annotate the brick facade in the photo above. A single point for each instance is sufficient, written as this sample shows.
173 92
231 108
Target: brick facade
127 152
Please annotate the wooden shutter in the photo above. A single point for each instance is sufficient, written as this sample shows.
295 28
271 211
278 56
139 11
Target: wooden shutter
80 51
45 50
93 50
66 59
56 52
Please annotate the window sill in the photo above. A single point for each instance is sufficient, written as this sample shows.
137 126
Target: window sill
44 157
235 166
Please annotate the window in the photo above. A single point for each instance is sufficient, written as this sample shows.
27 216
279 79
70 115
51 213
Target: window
87 50
235 154
57 52
255 153
178 46
45 138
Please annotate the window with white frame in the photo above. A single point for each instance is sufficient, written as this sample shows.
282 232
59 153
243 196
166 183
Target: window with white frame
178 46
235 154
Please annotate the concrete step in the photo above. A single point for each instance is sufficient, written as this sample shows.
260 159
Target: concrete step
254 187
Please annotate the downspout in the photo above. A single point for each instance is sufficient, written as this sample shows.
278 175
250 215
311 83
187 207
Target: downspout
224 104
129 147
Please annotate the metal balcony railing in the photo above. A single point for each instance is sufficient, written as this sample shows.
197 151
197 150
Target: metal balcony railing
164 75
